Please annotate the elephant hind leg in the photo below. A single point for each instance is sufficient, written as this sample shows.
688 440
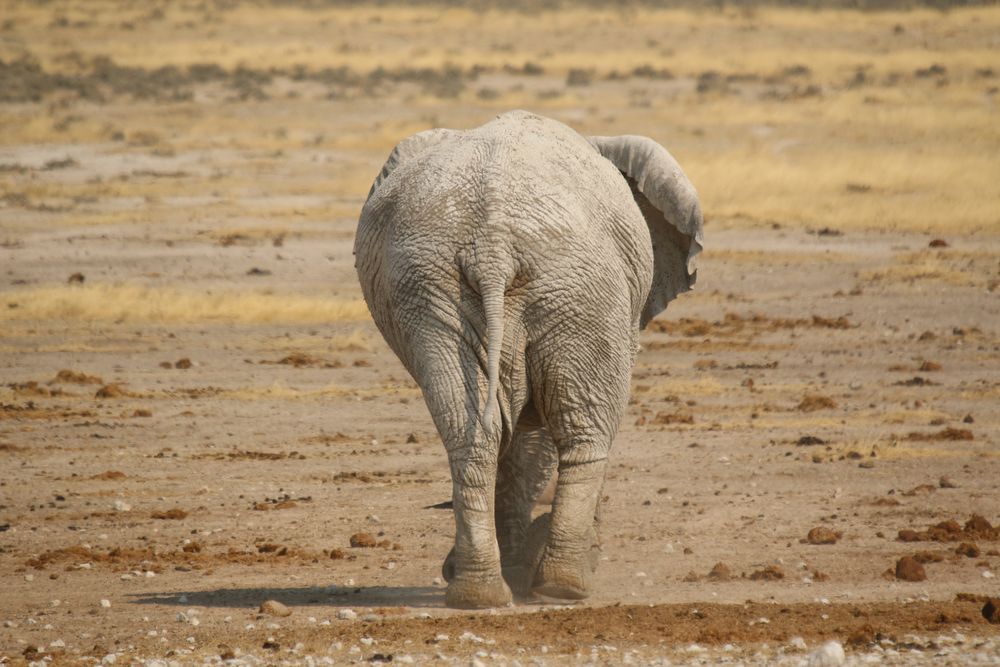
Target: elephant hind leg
584 393
523 474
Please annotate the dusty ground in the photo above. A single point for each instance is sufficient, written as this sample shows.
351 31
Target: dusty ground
180 241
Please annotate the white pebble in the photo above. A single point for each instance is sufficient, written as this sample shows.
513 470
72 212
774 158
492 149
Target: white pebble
122 506
57 644
106 604
347 614
797 643
987 574
830 654
367 641
29 577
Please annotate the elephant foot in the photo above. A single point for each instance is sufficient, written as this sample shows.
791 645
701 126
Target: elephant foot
477 593
560 580
543 575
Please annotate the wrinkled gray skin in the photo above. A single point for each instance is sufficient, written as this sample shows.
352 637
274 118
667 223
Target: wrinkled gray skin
510 268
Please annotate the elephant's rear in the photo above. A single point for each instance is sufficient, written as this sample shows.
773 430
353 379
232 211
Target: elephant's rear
524 248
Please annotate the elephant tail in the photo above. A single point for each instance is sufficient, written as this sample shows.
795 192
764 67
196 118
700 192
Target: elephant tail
492 291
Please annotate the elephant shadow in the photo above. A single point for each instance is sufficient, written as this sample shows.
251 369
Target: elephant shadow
329 596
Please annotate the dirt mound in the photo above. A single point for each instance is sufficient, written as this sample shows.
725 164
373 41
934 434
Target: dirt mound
977 527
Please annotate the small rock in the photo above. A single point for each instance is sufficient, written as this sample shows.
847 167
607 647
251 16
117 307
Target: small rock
830 654
946 483
106 604
274 608
720 572
938 243
769 573
347 614
967 549
77 278
822 535
110 391
183 363
909 568
991 611
363 540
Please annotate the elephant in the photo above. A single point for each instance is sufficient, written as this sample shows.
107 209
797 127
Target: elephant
511 267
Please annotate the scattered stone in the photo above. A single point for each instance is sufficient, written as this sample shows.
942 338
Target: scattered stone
183 363
363 540
226 653
991 611
978 524
347 614
274 608
720 572
909 568
809 440
823 535
412 439
929 367
106 604
175 513
122 506
946 483
142 413
967 549
111 391
76 278
337 554
769 573
968 419
938 243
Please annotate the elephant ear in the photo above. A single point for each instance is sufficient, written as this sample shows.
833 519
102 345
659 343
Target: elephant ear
407 149
670 205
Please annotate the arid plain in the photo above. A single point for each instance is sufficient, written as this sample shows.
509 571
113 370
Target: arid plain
197 414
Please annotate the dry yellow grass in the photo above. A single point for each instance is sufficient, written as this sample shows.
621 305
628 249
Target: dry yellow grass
896 151
951 267
127 303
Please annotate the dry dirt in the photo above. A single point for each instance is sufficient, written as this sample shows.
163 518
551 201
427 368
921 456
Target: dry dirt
197 415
